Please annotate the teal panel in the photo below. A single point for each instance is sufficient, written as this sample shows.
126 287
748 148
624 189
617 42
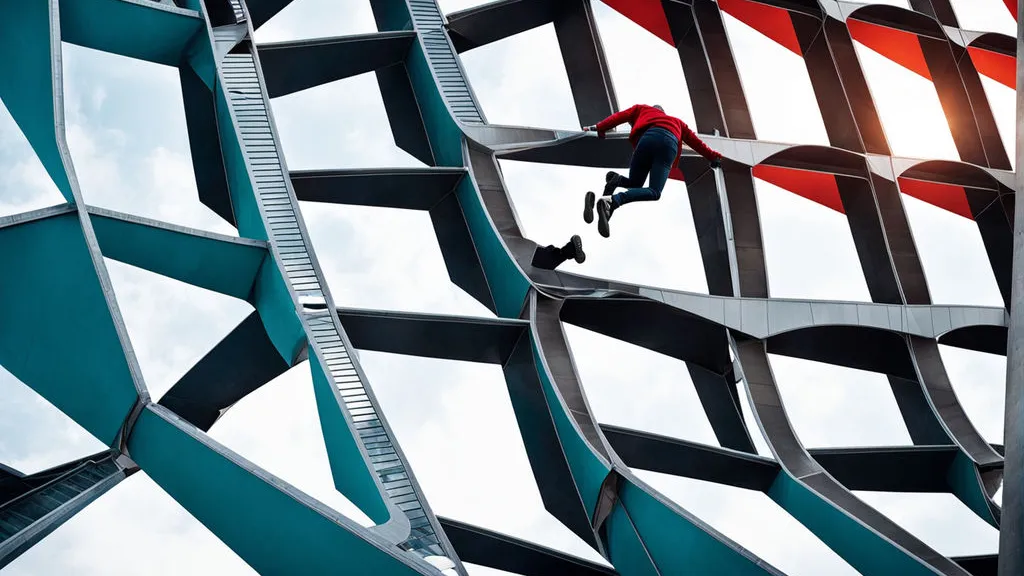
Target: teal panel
392 15
144 30
243 197
271 298
965 482
507 282
200 58
351 472
223 266
677 545
444 134
271 530
588 471
861 547
26 81
58 335
626 551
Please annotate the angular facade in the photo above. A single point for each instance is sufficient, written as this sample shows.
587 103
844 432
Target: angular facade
583 469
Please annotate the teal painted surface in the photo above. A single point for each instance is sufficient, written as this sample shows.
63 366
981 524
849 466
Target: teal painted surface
26 82
861 547
271 298
965 482
392 15
507 283
588 472
243 197
147 30
676 544
442 130
58 336
222 266
352 476
269 529
625 550
200 57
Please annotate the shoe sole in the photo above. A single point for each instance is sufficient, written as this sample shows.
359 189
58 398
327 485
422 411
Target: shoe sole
588 207
608 188
577 244
602 222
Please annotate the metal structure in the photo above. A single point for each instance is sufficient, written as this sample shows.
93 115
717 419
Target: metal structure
583 469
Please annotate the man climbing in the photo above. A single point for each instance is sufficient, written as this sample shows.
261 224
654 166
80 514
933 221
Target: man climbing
657 140
550 257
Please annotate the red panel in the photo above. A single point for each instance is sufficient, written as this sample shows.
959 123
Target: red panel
901 47
999 67
1011 5
647 13
677 174
816 186
946 196
773 22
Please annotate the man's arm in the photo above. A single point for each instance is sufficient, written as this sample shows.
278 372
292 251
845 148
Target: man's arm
698 145
619 118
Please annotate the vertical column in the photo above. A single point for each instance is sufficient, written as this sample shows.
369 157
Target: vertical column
583 55
710 69
1011 533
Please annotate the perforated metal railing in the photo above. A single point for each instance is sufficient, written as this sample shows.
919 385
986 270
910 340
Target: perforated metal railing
19 513
245 95
430 24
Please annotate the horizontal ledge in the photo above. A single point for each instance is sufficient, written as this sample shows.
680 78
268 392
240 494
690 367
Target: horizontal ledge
499 551
290 67
446 337
168 227
408 188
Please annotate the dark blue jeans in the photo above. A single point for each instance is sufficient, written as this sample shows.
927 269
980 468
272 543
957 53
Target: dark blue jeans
654 155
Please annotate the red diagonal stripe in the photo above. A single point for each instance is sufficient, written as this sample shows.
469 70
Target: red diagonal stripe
646 13
946 196
999 67
816 186
901 47
773 22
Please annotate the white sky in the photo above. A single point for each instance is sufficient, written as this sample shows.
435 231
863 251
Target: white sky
128 140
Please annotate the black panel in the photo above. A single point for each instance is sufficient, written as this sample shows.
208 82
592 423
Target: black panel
585 64
550 468
656 453
851 346
954 99
836 112
855 86
204 144
408 188
721 403
404 113
494 21
242 362
868 237
654 326
293 66
702 188
458 250
501 552
432 336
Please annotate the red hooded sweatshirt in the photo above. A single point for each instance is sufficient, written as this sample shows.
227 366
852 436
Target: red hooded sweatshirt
642 117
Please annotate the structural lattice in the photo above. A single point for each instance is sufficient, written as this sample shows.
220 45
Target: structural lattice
583 469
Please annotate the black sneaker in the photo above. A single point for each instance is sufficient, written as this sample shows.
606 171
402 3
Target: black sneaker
577 247
588 207
604 213
611 182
